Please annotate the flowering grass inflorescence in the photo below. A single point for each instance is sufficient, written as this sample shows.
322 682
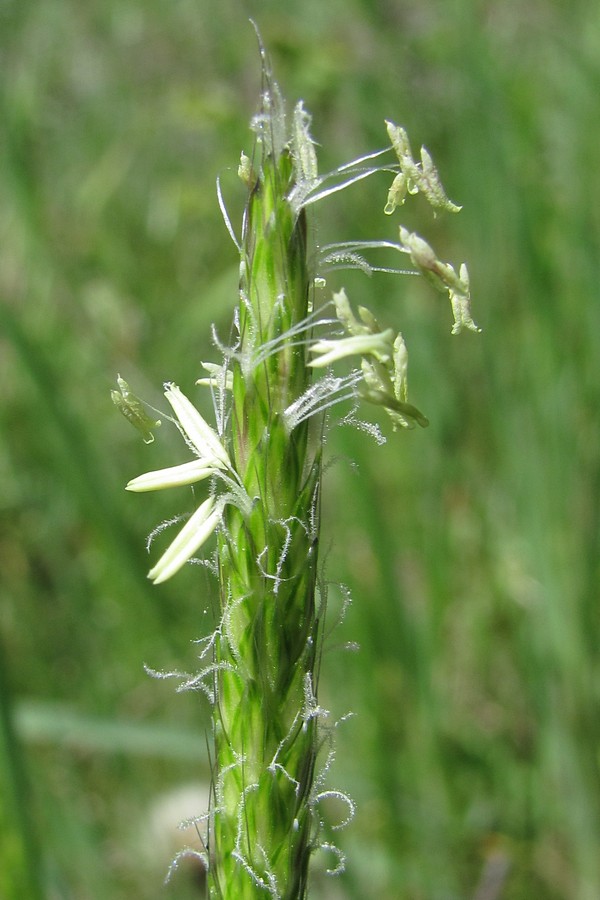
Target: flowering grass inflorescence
262 467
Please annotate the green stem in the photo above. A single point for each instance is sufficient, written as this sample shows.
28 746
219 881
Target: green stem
19 852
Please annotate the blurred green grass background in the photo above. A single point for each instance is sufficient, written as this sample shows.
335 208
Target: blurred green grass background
472 549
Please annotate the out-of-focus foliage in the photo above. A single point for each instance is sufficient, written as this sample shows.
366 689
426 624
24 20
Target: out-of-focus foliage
471 549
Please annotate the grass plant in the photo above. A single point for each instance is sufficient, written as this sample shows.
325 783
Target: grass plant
472 556
261 666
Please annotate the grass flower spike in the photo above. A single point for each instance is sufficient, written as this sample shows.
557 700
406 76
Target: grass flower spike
272 739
